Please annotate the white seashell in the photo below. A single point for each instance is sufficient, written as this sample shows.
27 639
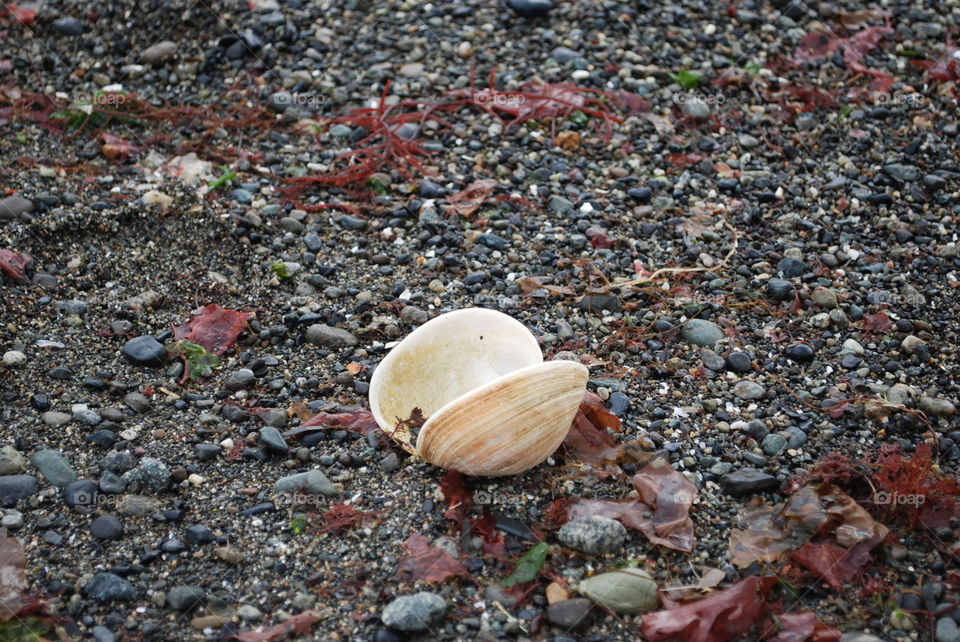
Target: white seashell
493 407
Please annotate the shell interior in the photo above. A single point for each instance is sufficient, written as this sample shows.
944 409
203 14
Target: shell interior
443 360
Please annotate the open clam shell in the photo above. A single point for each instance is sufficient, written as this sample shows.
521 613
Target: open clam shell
493 407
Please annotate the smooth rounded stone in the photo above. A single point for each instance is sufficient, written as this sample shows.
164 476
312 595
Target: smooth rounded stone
150 474
185 598
146 351
12 520
82 492
198 534
712 360
851 361
54 467
292 225
618 403
747 481
899 394
570 614
54 418
14 358
159 52
102 634
608 302
69 26
627 590
530 8
739 362
111 483
234 414
11 461
240 379
429 189
107 527
907 173
414 612
248 613
136 402
273 441
241 195
354 223
749 390
559 205
911 344
800 352
137 505
780 289
774 444
852 346
206 451
313 482
13 206
594 535
790 268
59 373
412 315
273 417
107 587
696 108
937 407
86 416
701 332
825 298
16 487
947 630
328 337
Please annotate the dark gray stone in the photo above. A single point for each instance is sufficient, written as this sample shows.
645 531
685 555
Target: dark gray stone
145 351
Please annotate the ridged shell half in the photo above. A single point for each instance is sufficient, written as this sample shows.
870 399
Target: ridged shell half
493 406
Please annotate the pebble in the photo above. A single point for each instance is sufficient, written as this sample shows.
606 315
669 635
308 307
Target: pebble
530 8
947 630
55 418
239 379
16 487
627 590
328 337
773 445
594 535
749 390
416 612
145 351
825 298
81 492
780 289
11 461
747 481
185 598
739 362
937 407
800 352
150 474
107 527
701 332
107 587
54 467
791 267
136 402
14 358
570 614
313 481
13 206
159 52
273 441
69 26
712 360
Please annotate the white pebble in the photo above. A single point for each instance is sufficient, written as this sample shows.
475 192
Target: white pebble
14 358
